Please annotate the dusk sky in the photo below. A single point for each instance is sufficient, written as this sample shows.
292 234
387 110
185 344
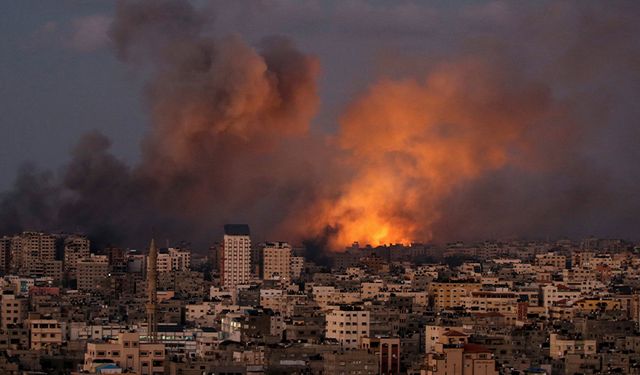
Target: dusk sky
61 78
466 118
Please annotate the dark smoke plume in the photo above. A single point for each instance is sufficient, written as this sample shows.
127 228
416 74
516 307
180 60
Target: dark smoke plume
225 116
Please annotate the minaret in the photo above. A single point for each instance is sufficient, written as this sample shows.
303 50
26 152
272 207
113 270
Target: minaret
152 297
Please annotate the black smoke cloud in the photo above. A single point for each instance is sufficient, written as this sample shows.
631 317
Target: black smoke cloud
228 120
32 200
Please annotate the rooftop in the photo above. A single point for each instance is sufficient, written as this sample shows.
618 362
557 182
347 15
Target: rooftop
236 230
475 348
454 333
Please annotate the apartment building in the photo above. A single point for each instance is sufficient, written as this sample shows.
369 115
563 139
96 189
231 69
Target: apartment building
273 299
236 256
13 310
297 266
5 254
357 361
447 295
29 250
91 271
277 263
387 349
551 259
560 346
324 296
173 259
76 248
454 355
554 293
45 334
483 301
434 334
348 325
128 353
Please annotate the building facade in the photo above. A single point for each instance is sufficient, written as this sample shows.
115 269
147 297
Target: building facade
348 325
277 261
236 256
29 250
91 271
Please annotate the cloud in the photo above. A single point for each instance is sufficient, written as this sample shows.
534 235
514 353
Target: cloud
83 34
89 33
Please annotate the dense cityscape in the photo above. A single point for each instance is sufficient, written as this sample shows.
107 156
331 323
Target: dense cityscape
319 187
495 307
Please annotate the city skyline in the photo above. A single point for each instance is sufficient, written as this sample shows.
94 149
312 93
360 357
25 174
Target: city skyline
319 187
501 307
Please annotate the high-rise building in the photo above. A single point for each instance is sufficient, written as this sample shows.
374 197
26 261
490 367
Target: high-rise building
117 259
135 262
51 269
29 250
215 252
152 295
236 255
297 265
277 261
91 271
5 253
76 248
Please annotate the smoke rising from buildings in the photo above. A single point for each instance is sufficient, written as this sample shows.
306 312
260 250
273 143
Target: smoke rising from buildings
410 143
223 113
493 138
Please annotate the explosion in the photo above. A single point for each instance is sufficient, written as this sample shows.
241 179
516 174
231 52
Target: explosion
410 143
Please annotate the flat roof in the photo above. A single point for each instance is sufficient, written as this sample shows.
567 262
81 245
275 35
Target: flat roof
236 230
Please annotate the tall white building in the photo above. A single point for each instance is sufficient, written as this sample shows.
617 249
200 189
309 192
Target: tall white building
236 256
277 261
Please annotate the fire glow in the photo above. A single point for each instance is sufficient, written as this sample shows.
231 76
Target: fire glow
410 143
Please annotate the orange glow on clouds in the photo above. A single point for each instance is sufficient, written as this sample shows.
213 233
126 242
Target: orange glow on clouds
410 143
